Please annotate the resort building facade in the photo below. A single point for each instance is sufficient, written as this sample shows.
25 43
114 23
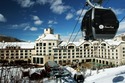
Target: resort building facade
50 47
12 51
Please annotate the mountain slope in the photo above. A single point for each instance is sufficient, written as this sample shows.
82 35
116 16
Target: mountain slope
9 39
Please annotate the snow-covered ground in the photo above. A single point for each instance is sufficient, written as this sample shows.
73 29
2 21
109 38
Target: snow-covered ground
110 75
13 74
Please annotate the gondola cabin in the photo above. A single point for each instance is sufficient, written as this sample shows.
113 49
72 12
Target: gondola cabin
51 67
99 23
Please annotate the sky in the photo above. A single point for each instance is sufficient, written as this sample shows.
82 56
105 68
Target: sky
26 19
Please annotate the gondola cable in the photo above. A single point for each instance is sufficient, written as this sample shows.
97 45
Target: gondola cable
76 23
76 35
106 3
122 19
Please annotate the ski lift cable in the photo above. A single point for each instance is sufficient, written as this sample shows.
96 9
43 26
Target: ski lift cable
106 3
76 23
76 35
122 19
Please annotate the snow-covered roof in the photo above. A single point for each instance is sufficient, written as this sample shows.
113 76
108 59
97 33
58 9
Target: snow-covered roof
23 45
112 42
75 43
63 44
50 37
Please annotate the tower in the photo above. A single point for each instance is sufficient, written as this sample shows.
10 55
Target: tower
48 31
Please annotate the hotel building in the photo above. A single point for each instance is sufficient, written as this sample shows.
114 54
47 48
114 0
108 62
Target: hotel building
49 46
12 51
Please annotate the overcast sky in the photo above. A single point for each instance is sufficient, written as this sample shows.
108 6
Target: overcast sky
26 19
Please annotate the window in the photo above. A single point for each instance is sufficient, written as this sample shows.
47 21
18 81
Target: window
41 61
37 44
71 47
21 51
55 50
64 53
37 60
34 60
7 51
26 56
64 50
26 50
44 51
40 44
2 51
68 50
44 44
12 54
49 50
49 47
21 57
49 44
12 57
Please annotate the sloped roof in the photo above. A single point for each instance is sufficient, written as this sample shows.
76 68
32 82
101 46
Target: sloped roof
23 45
50 37
47 37
75 43
112 42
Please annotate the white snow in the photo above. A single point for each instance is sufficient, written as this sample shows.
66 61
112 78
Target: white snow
111 75
112 42
50 37
25 45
